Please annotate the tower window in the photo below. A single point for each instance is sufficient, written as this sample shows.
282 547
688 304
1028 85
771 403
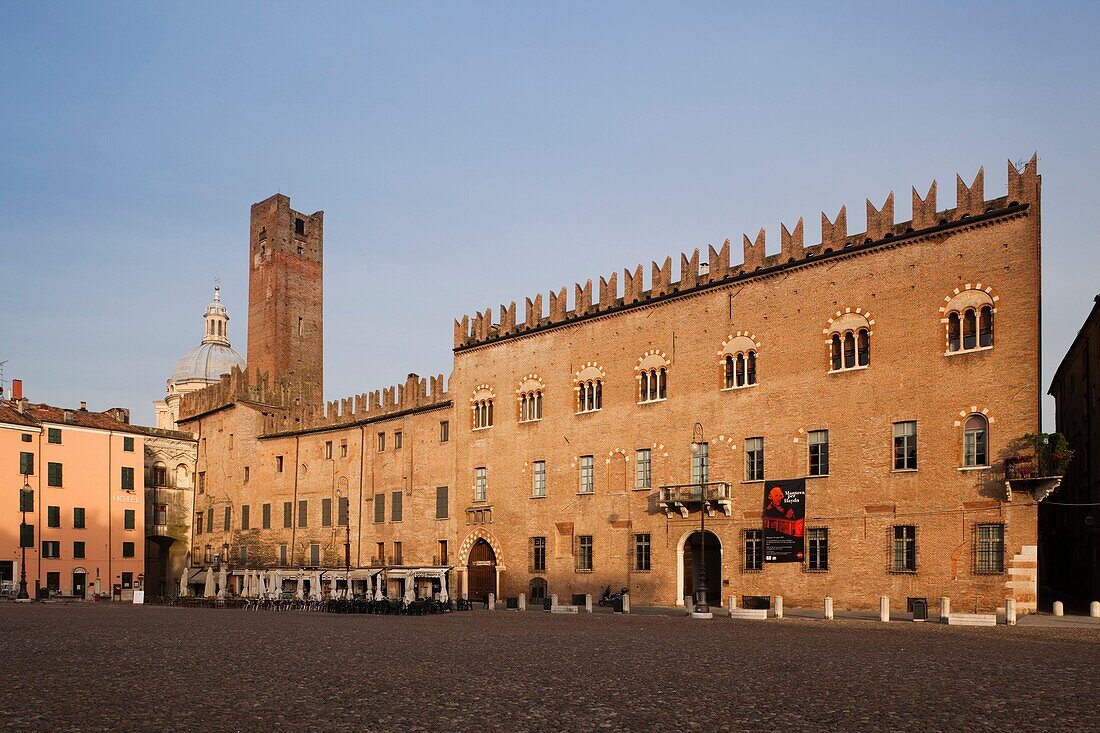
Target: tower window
299 325
299 226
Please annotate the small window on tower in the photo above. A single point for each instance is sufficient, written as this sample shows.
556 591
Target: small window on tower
299 325
299 226
301 249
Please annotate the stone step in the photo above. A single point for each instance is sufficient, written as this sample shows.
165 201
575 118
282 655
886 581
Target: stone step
759 614
972 619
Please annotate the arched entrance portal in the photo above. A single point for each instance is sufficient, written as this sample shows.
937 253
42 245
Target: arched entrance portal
482 571
711 556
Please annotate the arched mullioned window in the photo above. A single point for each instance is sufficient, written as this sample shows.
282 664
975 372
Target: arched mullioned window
849 340
653 377
481 408
968 317
588 384
530 398
738 357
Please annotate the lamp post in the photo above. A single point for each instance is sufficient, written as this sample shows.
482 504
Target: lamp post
26 504
699 480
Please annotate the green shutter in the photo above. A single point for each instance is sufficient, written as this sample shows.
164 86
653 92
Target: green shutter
26 535
129 518
78 517
26 463
78 549
127 478
53 474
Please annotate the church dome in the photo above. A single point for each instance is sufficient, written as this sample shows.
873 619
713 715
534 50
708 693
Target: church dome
206 362
214 356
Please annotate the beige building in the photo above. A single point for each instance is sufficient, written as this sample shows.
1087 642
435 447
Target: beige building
588 444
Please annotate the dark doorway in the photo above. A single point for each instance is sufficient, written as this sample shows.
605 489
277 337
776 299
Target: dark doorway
538 590
482 569
80 583
713 558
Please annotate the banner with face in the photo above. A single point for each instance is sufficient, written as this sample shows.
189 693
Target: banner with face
784 519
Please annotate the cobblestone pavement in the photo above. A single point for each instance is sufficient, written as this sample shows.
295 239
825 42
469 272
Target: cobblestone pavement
118 667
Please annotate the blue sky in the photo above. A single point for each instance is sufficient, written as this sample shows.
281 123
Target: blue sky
471 154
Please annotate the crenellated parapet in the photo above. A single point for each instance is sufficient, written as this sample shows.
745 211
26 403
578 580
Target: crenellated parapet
240 386
1023 189
414 394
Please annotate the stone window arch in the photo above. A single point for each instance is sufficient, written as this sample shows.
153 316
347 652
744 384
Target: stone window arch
968 317
183 477
481 407
529 398
652 375
737 361
588 385
975 447
848 339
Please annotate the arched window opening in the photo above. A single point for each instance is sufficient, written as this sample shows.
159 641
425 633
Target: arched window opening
849 350
589 396
730 372
530 406
976 441
954 330
836 361
864 347
985 327
662 382
538 405
645 386
968 316
598 391
751 376
970 330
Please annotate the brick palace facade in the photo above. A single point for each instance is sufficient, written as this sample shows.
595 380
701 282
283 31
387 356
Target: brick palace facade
893 369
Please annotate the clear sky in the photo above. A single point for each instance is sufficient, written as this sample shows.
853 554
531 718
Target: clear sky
471 154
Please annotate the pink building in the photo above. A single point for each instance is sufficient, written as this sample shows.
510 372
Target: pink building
86 532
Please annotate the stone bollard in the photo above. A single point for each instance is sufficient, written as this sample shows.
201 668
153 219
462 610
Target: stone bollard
588 603
1094 609
626 603
1010 611
945 609
884 608
733 602
688 605
779 606
492 603
1059 609
828 608
553 601
522 605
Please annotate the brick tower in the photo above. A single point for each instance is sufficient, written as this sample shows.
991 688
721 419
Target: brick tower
285 304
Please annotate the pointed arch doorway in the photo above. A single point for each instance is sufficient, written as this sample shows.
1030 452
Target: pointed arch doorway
481 571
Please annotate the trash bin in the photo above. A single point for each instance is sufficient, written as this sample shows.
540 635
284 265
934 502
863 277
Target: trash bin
578 599
512 602
920 609
43 594
617 604
546 604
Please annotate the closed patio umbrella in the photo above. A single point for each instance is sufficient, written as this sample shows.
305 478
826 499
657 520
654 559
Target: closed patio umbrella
276 588
378 586
261 588
315 587
183 582
221 582
300 592
208 590
410 588
443 587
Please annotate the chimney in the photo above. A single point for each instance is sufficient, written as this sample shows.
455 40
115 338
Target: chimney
67 415
17 389
120 413
83 405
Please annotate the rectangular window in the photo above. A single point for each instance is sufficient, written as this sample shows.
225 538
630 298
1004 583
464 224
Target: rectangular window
266 516
303 513
817 549
202 482
328 449
129 519
989 556
127 581
381 442
754 459
444 431
127 478
127 549
242 555
53 435
288 515
441 502
78 517
481 483
379 508
905 445
641 552
343 449
53 582
210 521
588 475
314 555
26 535
53 516
380 550
700 463
539 487
160 475
397 440
53 474
818 441
398 555
26 500
279 464
584 552
245 518
754 549
51 549
904 558
128 444
282 559
395 507
538 554
444 557
198 523
26 463
326 512
642 471
27 437
78 550
343 509
227 518
160 514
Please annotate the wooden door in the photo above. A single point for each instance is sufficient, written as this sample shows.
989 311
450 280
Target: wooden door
482 571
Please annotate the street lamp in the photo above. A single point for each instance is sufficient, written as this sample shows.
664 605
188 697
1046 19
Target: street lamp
26 504
699 480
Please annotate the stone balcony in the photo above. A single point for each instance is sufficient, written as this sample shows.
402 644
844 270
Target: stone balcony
684 498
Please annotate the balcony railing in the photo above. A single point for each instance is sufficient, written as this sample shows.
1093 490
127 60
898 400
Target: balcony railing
682 498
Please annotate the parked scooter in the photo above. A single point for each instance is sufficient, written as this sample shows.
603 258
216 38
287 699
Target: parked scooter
608 598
